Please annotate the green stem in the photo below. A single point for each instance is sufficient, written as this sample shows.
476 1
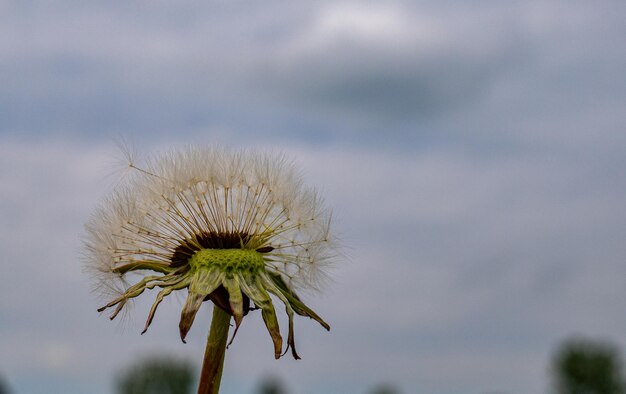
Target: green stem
213 364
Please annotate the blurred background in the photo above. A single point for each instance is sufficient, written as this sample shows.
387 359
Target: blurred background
474 154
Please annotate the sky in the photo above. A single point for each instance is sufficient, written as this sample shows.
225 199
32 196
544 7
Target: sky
473 153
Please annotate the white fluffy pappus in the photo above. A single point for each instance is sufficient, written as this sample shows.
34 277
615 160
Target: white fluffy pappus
229 226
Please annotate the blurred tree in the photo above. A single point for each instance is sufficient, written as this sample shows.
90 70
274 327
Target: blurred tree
271 386
384 389
3 387
162 375
583 366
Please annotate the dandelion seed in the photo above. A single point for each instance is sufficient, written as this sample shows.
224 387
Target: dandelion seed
228 227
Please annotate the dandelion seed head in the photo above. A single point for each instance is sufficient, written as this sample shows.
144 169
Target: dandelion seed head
207 219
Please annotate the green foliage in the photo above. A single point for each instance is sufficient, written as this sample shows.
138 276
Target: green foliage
163 375
583 366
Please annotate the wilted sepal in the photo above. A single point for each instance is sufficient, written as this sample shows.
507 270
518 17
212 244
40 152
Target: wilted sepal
253 287
236 301
172 279
235 298
297 305
162 294
203 282
272 288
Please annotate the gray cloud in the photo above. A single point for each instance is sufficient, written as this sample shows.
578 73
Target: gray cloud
390 63
398 74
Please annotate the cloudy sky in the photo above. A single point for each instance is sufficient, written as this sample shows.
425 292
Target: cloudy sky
474 155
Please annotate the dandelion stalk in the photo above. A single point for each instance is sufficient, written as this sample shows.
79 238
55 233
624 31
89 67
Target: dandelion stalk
232 228
213 363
